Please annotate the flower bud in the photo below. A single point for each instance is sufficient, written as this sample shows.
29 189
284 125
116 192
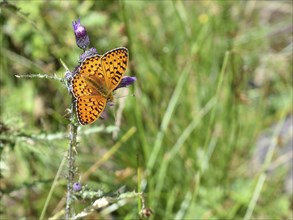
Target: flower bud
81 37
76 187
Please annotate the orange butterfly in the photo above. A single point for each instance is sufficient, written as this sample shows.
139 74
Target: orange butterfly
93 84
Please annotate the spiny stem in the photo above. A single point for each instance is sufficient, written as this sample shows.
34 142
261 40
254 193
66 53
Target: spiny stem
40 76
71 160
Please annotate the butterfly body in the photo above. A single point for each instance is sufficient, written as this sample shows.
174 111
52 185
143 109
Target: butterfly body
93 84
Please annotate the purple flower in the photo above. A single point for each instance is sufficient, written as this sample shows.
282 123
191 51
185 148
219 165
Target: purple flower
126 81
76 187
81 37
88 53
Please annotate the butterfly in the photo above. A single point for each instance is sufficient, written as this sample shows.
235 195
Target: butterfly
96 79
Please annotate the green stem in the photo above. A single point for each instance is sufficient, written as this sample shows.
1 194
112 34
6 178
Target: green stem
71 160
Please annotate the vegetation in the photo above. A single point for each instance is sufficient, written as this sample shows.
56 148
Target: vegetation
211 77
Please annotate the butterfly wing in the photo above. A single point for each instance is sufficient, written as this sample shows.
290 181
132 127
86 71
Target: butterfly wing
114 64
97 77
89 108
88 86
90 78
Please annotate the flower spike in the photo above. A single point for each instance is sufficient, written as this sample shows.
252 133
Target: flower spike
126 81
81 37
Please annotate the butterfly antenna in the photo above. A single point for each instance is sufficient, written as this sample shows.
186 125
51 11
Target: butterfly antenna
64 65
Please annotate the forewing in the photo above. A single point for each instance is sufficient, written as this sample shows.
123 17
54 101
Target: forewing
89 108
114 64
89 78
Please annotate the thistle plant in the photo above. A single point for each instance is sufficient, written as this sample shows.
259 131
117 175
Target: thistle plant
92 84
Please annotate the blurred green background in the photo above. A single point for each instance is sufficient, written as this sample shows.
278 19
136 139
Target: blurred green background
213 79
